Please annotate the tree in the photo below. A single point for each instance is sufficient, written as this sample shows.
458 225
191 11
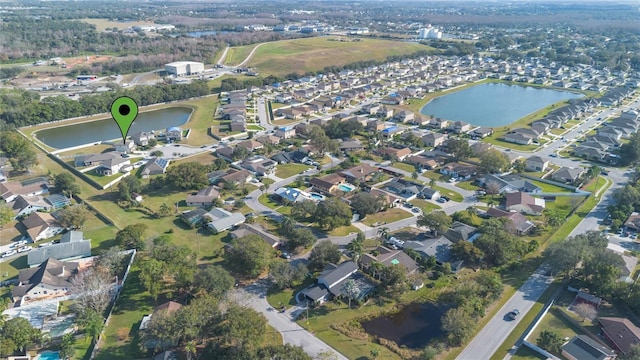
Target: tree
18 150
214 280
458 324
283 352
242 327
157 153
350 290
459 149
284 274
20 333
550 341
6 214
492 161
633 354
250 255
111 261
132 236
128 186
586 311
152 143
437 221
67 346
333 213
600 270
356 246
429 353
74 217
466 251
163 330
364 203
554 217
383 233
287 225
93 289
394 279
66 184
165 210
301 237
152 277
323 253
187 176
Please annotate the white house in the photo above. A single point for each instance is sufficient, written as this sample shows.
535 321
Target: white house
41 226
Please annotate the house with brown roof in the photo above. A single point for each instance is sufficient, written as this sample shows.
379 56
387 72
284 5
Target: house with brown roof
268 139
251 145
518 223
433 139
524 203
328 183
459 170
621 333
390 153
633 222
169 307
11 189
361 172
389 257
237 176
255 229
422 162
41 226
51 279
204 197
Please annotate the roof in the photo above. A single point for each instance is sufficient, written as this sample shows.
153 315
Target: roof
221 219
568 173
439 247
460 232
584 348
335 275
359 171
21 202
391 257
520 222
10 188
621 332
38 222
521 198
158 164
61 251
315 293
169 307
251 229
50 272
327 181
72 236
536 159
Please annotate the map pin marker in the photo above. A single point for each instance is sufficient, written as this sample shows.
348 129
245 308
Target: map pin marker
124 111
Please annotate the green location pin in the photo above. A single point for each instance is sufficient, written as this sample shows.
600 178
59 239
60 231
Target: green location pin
124 111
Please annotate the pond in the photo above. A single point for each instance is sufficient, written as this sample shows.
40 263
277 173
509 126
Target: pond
494 105
414 326
102 130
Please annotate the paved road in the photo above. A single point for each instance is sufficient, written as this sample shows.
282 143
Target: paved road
254 296
246 60
263 116
224 55
497 329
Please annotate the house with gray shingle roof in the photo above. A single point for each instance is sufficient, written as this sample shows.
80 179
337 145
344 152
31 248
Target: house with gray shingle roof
72 246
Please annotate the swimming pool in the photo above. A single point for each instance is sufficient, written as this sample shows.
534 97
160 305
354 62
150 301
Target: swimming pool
346 187
316 196
49 355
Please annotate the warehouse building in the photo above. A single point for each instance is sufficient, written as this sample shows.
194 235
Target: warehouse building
180 68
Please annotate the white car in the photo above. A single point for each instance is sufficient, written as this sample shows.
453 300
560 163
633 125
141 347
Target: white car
24 249
9 253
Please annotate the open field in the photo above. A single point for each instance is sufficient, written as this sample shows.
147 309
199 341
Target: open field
102 24
387 216
237 54
287 170
314 54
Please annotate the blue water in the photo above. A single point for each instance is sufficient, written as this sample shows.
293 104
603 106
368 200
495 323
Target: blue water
107 129
345 188
199 34
49 355
493 105
317 196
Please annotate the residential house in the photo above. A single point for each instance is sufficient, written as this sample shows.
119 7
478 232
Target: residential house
51 278
259 165
621 333
174 134
112 166
268 139
237 176
429 193
360 173
255 229
291 195
479 148
438 123
390 153
155 166
523 136
72 246
567 175
41 226
628 268
516 222
633 222
524 203
459 170
289 113
461 232
508 183
392 100
219 219
24 205
589 153
404 116
285 132
204 197
351 145
422 162
375 125
142 138
461 127
481 132
328 183
389 257
11 189
536 163
238 124
433 139
440 248
126 147
193 218
251 145
582 347
391 131
332 280
408 190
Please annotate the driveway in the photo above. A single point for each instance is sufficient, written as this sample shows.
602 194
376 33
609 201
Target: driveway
254 296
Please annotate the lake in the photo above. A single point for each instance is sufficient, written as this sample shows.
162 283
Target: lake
102 130
494 105
414 326
199 34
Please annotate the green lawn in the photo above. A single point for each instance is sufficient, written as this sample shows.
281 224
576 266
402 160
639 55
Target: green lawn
426 206
524 353
255 127
237 54
387 216
452 195
403 166
102 179
553 321
467 185
549 188
287 170
343 231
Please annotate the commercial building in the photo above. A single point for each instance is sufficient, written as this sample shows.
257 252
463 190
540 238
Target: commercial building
180 68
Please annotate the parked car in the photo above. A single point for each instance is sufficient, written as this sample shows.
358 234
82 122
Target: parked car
441 200
285 255
9 253
513 314
24 249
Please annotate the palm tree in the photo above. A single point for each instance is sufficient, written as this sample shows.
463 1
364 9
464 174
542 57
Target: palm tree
263 188
191 349
164 209
414 175
350 290
376 269
287 225
383 233
471 210
356 246
432 183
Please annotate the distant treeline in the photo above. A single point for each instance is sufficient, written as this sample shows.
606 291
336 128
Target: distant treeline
20 107
232 84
